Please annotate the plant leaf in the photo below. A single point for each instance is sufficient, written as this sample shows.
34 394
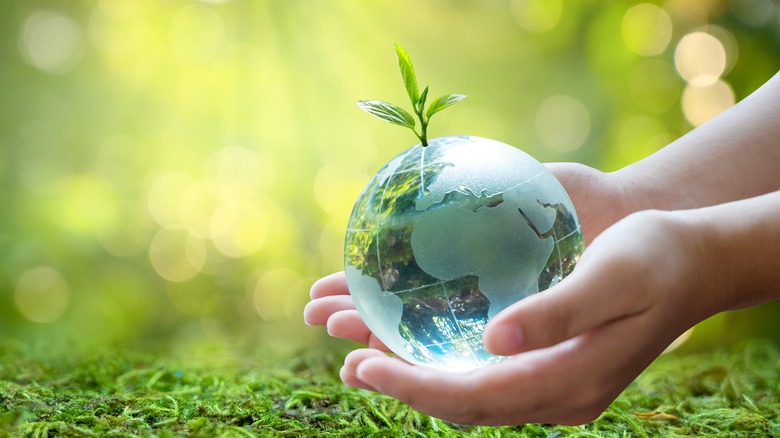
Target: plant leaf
421 103
387 112
443 102
407 74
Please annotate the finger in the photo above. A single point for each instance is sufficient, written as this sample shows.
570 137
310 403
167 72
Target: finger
348 324
572 383
510 392
586 299
319 310
333 284
493 395
427 390
355 357
599 365
348 371
351 379
377 344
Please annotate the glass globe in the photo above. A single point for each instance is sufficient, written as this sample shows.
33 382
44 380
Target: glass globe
446 236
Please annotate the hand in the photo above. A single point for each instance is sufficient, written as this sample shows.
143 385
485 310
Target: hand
598 198
576 345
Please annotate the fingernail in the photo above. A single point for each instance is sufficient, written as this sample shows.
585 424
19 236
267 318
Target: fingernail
505 339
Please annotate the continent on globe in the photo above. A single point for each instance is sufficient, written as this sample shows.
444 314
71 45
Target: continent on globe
446 236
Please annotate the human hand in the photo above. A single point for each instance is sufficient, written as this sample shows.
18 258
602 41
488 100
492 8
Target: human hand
599 199
577 345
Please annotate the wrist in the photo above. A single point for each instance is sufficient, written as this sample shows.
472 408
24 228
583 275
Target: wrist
738 249
646 188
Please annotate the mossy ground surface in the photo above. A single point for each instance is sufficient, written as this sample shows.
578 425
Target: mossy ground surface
730 392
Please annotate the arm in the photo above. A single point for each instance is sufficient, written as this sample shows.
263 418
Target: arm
743 244
735 155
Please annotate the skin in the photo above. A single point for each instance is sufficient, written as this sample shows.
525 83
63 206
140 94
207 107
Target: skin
669 244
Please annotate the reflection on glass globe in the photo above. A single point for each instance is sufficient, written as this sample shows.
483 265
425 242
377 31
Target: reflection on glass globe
446 236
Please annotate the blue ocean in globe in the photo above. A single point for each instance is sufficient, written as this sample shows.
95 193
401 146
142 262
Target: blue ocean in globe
446 236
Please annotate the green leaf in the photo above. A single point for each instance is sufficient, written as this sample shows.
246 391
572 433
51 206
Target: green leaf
387 112
407 74
421 103
443 102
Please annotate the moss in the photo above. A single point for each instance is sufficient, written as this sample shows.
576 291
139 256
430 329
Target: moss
733 392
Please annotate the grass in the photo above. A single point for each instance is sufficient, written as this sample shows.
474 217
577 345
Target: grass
730 392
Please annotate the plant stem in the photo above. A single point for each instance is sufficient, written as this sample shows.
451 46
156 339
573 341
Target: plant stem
423 136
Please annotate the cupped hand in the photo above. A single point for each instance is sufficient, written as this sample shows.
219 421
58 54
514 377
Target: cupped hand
576 346
597 199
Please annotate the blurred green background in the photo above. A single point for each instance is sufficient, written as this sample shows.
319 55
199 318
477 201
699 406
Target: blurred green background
180 172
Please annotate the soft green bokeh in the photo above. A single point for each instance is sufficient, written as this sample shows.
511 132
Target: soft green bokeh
181 170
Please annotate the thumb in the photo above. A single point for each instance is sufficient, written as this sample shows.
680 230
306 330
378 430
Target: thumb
592 295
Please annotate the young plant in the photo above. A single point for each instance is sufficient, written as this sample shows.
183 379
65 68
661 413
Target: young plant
397 115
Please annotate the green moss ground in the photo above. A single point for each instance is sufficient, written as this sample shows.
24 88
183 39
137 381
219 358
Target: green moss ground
732 392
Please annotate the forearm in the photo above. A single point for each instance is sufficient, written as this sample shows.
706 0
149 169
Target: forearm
740 249
735 155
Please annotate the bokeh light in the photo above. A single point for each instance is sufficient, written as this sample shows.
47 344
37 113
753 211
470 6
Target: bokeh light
197 205
238 228
700 58
562 123
730 45
177 255
537 15
242 171
86 205
41 294
279 294
51 42
165 197
701 103
647 29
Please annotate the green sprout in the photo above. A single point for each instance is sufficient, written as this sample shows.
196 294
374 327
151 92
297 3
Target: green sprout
397 115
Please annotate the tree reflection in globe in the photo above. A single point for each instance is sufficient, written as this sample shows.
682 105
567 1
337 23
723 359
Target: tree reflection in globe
446 236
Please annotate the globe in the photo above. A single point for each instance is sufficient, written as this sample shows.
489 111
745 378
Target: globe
445 236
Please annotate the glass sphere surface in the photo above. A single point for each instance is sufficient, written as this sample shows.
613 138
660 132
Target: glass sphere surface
446 236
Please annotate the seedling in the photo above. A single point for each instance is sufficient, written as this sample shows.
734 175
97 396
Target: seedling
397 115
